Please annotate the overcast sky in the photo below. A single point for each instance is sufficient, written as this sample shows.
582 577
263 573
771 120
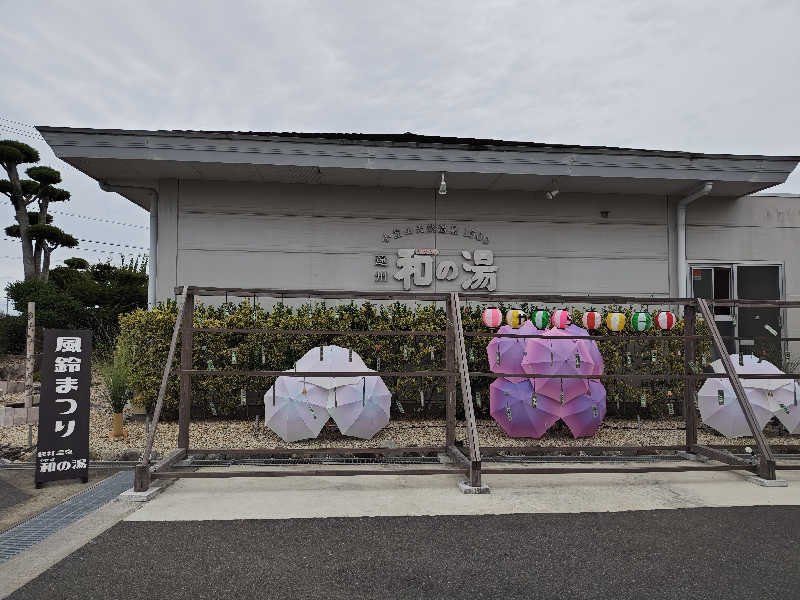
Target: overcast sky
706 76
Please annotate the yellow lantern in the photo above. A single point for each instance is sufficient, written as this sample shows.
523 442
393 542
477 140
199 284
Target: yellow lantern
515 318
615 321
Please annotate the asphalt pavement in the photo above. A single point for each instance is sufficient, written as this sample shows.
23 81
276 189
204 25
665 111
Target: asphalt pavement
702 553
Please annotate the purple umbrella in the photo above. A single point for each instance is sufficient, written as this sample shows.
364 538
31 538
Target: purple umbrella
506 353
518 412
590 353
584 413
556 357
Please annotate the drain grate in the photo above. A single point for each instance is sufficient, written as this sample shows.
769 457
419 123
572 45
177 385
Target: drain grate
35 529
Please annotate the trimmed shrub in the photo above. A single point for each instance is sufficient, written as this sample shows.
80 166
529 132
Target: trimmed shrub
147 334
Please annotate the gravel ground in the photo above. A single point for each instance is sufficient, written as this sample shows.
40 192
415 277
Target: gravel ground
703 554
405 432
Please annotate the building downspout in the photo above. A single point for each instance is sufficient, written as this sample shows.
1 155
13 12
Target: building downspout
680 224
153 256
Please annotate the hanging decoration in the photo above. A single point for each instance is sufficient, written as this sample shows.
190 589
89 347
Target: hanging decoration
515 318
560 318
615 321
641 321
541 318
492 317
665 320
591 319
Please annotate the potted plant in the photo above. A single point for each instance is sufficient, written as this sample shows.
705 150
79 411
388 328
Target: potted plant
117 379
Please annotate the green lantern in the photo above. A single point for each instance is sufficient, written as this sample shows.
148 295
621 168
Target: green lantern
641 321
541 319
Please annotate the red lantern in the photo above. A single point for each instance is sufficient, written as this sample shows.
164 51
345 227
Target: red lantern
560 318
665 320
492 317
591 319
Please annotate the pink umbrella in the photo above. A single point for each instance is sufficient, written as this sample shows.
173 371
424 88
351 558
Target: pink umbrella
590 353
518 411
584 413
506 353
557 357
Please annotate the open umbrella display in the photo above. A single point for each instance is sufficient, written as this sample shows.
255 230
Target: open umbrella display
520 412
720 410
295 409
553 356
788 411
752 364
590 352
506 353
331 359
584 414
360 409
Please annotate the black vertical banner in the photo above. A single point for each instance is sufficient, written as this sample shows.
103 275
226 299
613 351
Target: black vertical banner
62 450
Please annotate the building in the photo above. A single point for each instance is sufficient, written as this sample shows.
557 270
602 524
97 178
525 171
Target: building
367 212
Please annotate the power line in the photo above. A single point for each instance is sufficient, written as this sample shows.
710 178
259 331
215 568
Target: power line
88 218
2 118
10 239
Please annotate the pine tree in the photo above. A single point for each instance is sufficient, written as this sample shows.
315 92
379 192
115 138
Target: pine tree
39 238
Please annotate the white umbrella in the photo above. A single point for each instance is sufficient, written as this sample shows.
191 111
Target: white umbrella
720 408
295 409
753 365
331 358
361 409
788 411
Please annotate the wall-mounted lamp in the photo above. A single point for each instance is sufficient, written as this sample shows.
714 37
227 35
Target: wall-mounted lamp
551 194
443 187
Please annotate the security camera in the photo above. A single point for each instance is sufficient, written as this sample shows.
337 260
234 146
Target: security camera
551 194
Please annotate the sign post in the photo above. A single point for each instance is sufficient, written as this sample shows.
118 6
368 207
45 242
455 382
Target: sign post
62 450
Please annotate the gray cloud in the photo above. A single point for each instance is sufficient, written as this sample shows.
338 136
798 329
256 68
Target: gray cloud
687 75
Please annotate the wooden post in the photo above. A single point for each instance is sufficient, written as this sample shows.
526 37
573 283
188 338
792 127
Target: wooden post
689 353
766 465
29 364
450 380
141 479
185 403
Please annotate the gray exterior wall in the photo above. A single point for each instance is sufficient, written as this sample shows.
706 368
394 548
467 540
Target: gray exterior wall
327 237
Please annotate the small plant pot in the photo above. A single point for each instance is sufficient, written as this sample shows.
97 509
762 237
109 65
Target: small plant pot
118 430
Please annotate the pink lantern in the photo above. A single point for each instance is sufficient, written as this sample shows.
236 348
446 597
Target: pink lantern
665 320
560 318
492 317
591 320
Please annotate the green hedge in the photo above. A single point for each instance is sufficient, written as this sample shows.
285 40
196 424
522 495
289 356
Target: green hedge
148 332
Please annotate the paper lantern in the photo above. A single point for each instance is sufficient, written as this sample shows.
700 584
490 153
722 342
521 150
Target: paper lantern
591 320
492 317
540 319
615 321
641 321
665 320
560 318
515 318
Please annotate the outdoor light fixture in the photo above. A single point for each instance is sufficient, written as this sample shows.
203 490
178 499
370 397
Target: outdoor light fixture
551 194
443 187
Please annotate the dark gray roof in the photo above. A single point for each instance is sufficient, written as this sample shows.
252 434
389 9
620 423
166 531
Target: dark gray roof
409 139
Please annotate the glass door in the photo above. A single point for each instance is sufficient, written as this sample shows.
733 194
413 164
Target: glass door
715 283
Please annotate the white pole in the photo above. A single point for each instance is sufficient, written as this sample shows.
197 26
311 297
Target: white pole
151 264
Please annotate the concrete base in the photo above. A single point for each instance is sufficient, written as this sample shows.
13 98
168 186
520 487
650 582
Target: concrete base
131 496
767 482
466 488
